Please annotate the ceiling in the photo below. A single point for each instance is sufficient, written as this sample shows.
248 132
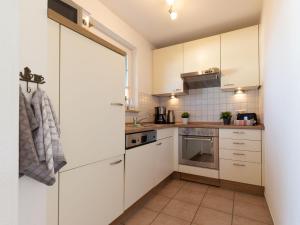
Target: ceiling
196 18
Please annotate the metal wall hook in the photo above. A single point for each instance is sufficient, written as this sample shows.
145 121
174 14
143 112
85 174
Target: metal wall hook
28 77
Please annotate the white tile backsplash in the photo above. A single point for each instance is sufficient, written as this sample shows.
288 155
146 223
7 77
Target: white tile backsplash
207 104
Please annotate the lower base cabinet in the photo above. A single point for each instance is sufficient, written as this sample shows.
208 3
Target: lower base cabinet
145 167
92 194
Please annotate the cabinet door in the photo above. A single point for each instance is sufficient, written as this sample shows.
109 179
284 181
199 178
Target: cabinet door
139 172
92 194
167 68
91 98
163 158
240 59
202 54
52 88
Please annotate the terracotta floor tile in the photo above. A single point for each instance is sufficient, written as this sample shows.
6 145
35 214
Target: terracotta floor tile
182 210
157 203
207 216
252 199
252 211
244 221
164 219
142 217
189 196
220 192
195 187
218 203
171 188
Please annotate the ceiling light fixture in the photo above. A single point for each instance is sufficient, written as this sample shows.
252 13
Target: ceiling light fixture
173 13
170 2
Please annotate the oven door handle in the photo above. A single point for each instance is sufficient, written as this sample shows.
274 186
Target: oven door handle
198 139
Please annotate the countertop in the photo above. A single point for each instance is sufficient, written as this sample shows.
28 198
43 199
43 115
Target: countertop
151 126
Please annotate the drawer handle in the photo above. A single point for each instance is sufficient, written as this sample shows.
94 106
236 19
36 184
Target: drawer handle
238 154
116 104
239 132
238 143
159 143
237 164
116 162
178 89
226 85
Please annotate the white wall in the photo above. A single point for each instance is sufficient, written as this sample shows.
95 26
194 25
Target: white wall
280 68
33 46
9 99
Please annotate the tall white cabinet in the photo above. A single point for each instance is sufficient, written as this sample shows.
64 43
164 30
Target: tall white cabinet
89 82
91 98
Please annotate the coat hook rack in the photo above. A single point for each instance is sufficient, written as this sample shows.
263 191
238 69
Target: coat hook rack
28 77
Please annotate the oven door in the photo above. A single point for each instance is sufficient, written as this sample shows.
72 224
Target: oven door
199 151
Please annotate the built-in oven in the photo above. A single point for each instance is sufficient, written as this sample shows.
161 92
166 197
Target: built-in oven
199 147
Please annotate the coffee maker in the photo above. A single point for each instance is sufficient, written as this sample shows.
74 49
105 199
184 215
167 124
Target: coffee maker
160 115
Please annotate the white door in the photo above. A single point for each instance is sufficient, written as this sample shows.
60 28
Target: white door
91 99
139 172
163 158
92 194
240 59
202 54
167 68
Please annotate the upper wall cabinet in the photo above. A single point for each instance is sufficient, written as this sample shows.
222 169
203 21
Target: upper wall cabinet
240 59
167 68
202 54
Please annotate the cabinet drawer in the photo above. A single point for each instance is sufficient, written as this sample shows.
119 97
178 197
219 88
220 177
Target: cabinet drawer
165 133
244 134
243 145
245 156
243 172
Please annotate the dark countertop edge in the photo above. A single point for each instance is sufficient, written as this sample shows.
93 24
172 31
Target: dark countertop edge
191 125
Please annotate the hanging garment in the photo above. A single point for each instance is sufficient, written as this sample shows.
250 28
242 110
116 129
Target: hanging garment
47 141
27 124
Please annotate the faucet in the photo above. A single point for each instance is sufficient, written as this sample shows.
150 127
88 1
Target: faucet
136 121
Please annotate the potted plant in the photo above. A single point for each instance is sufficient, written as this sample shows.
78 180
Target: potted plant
226 116
185 117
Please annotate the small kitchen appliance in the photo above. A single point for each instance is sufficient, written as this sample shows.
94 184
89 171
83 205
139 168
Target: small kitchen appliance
160 115
247 116
171 117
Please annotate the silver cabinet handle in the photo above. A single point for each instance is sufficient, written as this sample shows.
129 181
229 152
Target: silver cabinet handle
238 132
116 104
240 154
116 162
237 164
226 85
198 139
178 89
159 143
238 143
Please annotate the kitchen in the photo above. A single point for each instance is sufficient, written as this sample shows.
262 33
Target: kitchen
196 139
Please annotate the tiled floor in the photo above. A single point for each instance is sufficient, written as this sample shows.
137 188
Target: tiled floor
186 203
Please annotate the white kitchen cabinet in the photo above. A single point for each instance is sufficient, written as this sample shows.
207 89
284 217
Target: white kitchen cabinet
240 59
92 194
139 172
242 172
240 155
91 100
202 54
167 70
163 158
